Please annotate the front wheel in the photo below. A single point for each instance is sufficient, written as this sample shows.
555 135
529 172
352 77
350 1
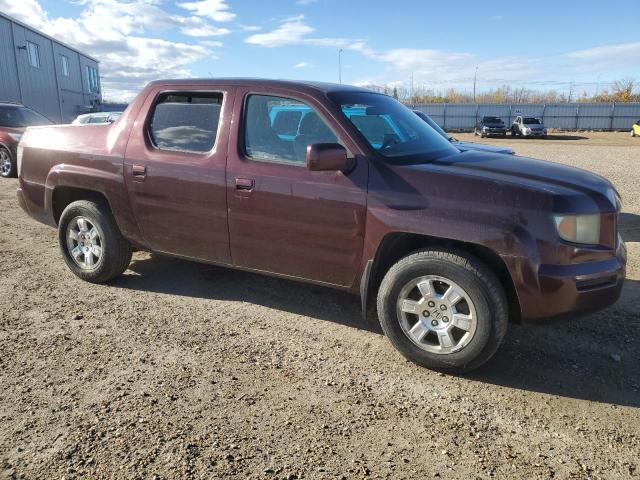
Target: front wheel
91 243
7 166
632 133
443 309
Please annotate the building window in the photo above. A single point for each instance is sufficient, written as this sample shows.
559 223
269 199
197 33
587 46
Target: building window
34 54
64 65
92 79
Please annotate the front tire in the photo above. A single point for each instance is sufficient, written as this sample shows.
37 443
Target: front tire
632 133
443 309
8 167
91 243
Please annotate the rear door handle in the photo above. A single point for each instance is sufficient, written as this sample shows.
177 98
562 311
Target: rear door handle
139 172
245 184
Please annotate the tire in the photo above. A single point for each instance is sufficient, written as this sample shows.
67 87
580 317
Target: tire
114 251
475 132
482 134
476 281
8 168
632 133
504 135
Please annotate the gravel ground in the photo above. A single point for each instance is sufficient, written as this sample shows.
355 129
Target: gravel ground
181 370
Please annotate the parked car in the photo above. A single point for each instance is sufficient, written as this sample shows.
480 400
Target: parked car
528 127
446 246
463 146
489 126
14 118
635 129
96 118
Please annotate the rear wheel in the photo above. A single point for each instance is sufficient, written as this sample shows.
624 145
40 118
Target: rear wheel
443 309
7 166
92 246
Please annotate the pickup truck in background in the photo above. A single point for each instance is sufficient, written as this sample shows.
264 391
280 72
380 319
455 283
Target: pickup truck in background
338 186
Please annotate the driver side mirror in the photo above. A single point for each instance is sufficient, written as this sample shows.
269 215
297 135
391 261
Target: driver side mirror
328 157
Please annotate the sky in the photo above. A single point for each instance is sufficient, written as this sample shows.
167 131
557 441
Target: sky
582 46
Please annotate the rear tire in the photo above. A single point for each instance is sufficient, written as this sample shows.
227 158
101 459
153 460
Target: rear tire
8 167
481 310
91 243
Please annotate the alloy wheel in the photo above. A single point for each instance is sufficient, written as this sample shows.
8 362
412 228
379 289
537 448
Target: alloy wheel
5 163
436 314
84 243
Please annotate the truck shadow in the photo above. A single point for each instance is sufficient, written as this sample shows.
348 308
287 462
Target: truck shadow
592 358
629 227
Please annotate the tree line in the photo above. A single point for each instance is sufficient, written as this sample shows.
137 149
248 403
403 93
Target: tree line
621 91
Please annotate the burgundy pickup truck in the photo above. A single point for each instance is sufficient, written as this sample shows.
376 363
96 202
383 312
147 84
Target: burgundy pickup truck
338 186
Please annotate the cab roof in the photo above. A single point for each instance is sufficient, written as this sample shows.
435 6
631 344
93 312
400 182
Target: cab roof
323 87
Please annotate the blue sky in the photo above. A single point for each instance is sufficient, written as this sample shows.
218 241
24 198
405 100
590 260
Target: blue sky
550 45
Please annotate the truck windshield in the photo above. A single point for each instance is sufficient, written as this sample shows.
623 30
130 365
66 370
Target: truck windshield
391 129
491 120
20 117
530 121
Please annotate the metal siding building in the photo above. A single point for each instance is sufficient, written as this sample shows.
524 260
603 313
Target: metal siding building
52 78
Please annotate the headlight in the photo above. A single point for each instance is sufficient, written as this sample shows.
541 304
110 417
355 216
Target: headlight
526 130
579 228
485 128
16 136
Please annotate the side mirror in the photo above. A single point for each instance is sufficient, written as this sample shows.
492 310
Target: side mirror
328 156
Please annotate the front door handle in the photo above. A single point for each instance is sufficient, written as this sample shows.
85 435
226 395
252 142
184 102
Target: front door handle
139 172
245 184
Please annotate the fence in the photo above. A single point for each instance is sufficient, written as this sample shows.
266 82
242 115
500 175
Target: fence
562 116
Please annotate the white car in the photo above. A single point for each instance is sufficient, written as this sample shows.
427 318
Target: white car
528 127
96 118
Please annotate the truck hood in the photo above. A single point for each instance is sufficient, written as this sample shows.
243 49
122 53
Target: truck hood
464 146
574 189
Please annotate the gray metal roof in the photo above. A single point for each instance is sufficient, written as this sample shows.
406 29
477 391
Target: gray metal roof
14 20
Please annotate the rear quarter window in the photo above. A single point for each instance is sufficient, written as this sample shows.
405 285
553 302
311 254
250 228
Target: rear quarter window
186 121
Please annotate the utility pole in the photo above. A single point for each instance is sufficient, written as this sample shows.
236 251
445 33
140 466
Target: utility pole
411 90
570 91
339 65
475 78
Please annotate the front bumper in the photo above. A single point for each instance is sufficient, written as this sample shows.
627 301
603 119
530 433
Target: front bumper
569 290
495 131
534 133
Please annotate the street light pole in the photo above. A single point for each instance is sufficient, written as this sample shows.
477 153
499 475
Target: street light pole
475 77
339 65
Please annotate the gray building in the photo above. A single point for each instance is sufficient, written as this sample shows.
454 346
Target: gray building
44 74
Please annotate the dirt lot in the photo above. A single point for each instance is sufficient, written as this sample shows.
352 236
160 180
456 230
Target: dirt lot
180 370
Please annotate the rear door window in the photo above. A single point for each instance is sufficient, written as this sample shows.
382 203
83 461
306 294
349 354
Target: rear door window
186 121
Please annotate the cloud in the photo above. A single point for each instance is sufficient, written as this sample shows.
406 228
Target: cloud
302 65
122 35
291 31
295 31
250 28
217 10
